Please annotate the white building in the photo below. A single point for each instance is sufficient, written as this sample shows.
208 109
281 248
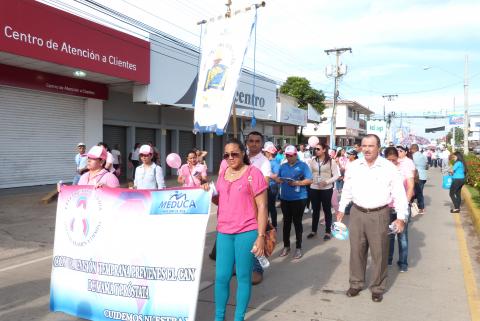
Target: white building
351 123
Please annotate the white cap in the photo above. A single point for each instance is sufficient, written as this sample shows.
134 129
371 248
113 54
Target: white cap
269 147
81 144
145 150
290 150
97 152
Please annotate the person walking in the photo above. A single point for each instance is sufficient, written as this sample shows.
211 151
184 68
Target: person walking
81 161
273 188
242 219
325 173
97 175
371 183
192 174
117 159
134 158
421 165
458 173
342 160
294 176
260 161
148 175
393 155
109 161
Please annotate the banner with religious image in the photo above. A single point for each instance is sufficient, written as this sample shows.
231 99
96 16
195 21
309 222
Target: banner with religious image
224 44
123 254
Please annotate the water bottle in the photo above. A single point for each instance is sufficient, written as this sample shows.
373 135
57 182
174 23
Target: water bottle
297 189
264 263
214 190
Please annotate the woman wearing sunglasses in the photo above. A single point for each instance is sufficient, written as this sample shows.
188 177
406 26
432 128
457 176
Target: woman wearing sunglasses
325 173
294 175
242 220
397 157
148 175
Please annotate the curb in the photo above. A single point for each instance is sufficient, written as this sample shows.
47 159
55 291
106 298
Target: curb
473 210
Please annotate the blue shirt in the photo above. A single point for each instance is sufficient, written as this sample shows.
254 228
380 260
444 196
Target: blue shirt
280 157
298 171
81 161
275 165
458 170
420 162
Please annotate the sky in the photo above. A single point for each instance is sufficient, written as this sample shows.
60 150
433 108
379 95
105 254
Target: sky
415 49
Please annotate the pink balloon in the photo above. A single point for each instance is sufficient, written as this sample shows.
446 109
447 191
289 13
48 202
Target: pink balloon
313 141
174 161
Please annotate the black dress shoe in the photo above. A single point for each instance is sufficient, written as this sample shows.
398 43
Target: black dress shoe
377 297
353 292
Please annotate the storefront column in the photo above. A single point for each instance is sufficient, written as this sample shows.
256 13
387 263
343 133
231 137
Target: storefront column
93 122
163 148
130 144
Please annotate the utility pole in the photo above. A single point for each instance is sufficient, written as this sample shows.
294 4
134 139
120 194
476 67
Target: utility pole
337 75
466 121
453 134
388 137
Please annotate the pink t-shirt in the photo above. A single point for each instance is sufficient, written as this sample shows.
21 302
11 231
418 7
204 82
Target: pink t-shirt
104 177
191 180
406 168
236 210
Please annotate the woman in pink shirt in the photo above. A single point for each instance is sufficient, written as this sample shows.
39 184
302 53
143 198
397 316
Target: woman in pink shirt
193 173
242 220
97 175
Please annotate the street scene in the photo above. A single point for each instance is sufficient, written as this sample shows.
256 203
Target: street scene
237 160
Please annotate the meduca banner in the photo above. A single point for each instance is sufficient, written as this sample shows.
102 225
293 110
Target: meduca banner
123 254
224 43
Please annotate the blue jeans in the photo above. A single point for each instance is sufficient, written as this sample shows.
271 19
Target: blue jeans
234 249
402 244
419 193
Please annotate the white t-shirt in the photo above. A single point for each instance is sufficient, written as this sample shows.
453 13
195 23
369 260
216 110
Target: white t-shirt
110 160
135 154
261 162
116 156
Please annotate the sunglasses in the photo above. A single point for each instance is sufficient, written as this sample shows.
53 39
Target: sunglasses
144 155
231 155
317 149
288 155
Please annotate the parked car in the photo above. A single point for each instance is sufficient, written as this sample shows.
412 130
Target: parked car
476 150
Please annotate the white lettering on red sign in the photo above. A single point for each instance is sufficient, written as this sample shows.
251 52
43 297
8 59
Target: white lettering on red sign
10 33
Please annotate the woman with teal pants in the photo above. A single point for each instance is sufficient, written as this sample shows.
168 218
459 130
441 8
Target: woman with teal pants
242 220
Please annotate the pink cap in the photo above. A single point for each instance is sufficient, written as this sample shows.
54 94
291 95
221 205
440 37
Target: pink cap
145 150
269 147
97 152
290 150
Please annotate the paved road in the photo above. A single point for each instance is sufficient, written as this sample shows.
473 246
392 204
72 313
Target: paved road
310 289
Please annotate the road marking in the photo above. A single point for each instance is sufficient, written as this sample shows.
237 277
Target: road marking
25 263
469 277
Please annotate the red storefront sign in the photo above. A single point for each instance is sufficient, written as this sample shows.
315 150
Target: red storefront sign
35 30
37 80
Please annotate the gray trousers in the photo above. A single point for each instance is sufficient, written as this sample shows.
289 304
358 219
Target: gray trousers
369 230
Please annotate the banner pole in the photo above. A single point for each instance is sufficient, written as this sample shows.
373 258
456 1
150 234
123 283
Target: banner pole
234 115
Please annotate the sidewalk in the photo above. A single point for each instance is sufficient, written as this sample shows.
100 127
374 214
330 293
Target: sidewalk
313 288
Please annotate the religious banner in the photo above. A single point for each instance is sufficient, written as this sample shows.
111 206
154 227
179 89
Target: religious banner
123 254
224 43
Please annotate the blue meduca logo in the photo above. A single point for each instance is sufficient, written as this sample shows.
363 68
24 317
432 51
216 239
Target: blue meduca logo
189 201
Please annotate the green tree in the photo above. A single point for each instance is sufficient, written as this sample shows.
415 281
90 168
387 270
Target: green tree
458 136
299 87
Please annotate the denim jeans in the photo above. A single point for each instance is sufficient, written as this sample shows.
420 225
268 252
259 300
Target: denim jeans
402 243
419 193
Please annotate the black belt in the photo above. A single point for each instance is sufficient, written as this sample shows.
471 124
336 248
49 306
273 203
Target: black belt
369 210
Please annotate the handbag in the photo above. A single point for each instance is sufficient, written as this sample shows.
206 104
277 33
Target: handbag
270 231
447 181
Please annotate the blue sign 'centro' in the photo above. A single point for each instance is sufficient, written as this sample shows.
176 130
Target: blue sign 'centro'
190 201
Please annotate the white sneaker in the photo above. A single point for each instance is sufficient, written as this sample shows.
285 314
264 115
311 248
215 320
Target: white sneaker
306 211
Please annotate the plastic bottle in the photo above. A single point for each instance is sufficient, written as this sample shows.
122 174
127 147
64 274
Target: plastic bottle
263 261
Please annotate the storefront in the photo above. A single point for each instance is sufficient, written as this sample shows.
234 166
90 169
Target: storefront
52 88
291 116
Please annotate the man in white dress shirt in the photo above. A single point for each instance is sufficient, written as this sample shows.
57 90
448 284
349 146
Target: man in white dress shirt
371 183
